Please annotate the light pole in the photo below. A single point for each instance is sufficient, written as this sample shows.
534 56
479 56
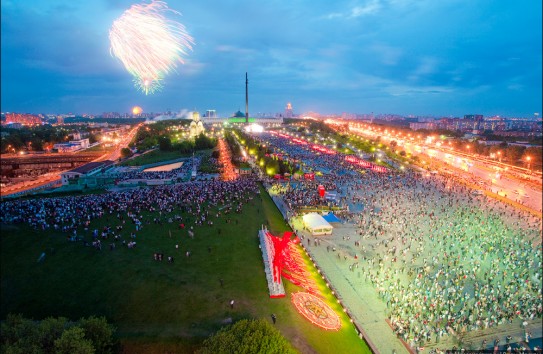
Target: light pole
529 159
500 156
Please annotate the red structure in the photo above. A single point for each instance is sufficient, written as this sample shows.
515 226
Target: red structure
365 164
322 191
289 262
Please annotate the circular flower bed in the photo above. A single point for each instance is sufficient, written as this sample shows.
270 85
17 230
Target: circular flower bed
316 311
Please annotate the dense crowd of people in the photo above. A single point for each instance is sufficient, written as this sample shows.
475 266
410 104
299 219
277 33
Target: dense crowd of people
73 215
445 261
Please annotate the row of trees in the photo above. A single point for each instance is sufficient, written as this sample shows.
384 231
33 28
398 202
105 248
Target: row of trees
159 134
265 156
148 136
506 151
201 142
56 335
513 154
234 147
40 138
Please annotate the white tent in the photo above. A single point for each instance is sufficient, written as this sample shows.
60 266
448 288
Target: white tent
316 224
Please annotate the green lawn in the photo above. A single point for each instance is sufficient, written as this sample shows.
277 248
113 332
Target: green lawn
152 157
158 306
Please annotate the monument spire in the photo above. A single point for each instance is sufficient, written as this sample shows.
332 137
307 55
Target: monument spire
246 99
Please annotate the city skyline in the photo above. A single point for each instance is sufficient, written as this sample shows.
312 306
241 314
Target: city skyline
396 56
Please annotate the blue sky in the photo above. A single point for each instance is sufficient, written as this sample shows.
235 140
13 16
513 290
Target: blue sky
420 57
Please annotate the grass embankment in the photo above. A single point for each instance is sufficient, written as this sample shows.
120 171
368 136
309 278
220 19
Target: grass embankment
152 157
161 306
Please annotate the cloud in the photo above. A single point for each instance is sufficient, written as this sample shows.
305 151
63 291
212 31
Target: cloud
404 90
369 8
333 15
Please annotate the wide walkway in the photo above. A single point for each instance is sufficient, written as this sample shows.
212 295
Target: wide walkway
362 301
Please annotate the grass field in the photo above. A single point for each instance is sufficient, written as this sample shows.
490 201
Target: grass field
161 306
152 157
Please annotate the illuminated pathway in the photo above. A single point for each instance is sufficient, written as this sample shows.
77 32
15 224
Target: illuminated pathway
225 160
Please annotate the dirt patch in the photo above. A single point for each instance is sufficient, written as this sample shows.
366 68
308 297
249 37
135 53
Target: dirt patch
300 344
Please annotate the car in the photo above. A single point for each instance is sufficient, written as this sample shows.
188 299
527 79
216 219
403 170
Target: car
478 192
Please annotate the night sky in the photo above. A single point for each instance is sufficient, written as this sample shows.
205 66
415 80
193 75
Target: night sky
419 57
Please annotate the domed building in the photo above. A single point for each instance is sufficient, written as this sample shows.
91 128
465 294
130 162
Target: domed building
196 126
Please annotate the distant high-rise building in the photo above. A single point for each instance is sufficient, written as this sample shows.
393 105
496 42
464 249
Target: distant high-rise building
211 113
60 120
288 111
477 119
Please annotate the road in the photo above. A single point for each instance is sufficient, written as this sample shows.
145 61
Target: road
116 153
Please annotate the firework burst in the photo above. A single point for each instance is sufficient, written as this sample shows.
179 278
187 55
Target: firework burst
149 44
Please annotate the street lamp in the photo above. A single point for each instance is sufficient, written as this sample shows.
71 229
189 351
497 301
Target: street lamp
500 156
529 159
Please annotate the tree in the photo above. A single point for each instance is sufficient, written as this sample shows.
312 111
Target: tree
49 330
513 153
55 335
99 332
73 341
126 152
532 157
93 138
247 337
19 335
185 146
202 142
164 143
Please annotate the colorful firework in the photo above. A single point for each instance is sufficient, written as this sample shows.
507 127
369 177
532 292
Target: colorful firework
149 44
